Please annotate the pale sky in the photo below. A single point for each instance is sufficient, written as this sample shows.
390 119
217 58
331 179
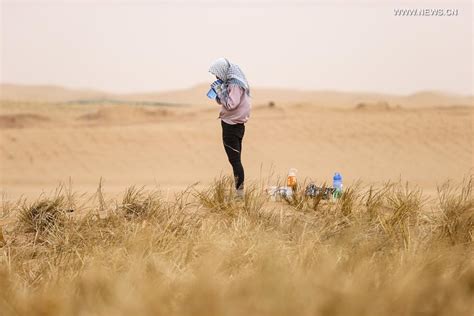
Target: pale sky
145 45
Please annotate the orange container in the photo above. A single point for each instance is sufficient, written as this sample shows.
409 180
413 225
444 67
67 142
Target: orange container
291 180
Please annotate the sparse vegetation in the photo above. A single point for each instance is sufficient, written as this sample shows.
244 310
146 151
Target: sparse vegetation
385 250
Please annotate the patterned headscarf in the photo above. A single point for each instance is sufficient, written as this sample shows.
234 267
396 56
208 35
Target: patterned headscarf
229 73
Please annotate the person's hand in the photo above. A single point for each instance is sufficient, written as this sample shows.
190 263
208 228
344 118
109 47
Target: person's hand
219 89
218 86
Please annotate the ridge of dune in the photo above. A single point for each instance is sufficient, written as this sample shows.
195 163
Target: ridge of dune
21 120
122 113
437 98
46 93
195 95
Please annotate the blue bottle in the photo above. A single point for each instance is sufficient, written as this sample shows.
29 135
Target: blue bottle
337 185
212 94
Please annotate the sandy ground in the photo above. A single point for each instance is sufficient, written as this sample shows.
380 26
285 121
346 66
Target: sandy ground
170 148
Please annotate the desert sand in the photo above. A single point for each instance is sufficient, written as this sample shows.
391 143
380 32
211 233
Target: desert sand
119 249
51 135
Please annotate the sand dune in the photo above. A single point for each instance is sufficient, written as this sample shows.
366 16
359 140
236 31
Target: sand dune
174 147
46 93
377 106
122 114
22 120
196 96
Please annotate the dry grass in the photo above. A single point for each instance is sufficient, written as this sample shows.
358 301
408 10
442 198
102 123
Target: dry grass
377 251
457 222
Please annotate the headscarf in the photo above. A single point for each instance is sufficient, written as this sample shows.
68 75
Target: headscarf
229 73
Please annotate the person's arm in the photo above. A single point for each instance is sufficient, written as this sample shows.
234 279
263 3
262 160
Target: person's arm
230 99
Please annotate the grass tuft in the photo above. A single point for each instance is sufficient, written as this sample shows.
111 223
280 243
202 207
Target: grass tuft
43 215
137 203
220 197
457 208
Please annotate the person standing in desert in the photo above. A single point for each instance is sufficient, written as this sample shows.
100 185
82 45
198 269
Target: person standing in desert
233 94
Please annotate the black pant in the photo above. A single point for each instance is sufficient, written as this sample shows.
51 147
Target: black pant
232 138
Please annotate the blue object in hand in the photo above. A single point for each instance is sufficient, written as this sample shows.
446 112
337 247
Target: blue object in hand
212 94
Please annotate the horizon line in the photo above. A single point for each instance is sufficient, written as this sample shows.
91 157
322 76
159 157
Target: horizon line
158 91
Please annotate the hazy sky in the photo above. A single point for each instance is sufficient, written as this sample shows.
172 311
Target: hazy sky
127 46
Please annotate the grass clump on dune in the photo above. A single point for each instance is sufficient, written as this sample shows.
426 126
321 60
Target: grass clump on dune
457 208
42 215
137 203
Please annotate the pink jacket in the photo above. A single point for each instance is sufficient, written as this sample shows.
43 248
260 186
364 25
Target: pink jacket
235 108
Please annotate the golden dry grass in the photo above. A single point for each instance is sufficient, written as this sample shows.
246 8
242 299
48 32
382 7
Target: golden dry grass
385 250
